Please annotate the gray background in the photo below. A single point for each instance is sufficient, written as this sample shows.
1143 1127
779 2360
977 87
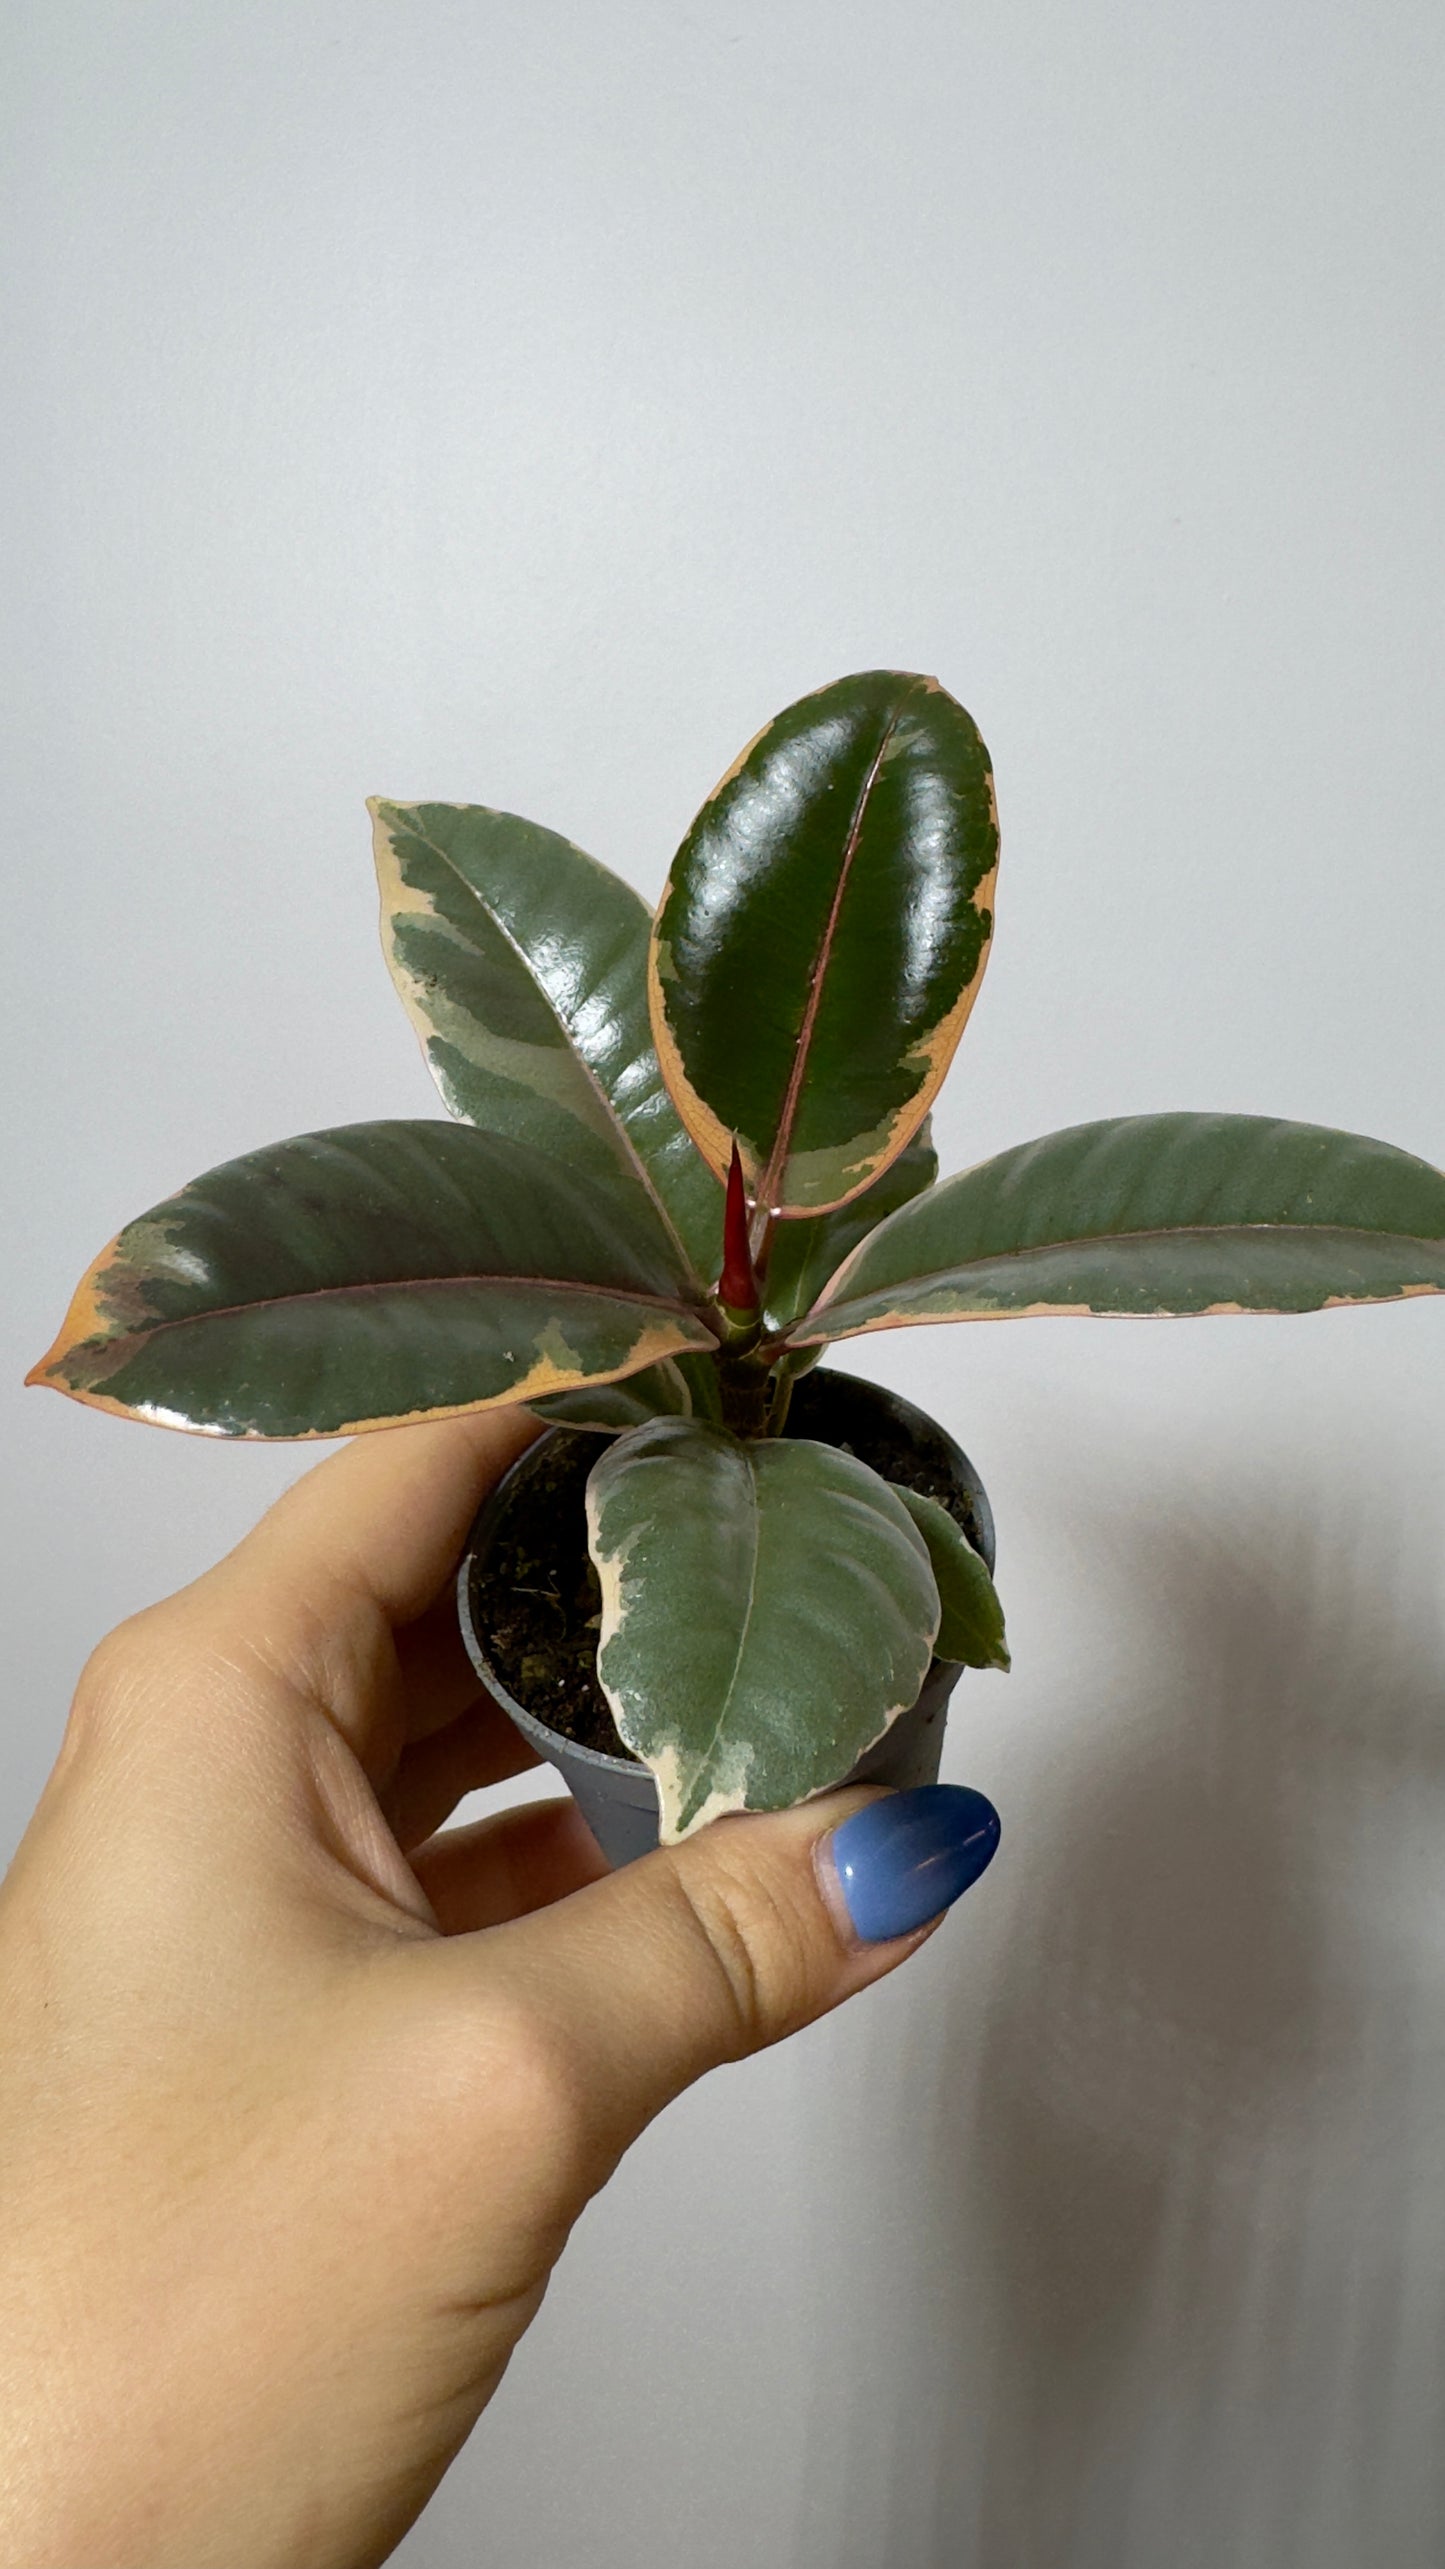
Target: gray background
521 405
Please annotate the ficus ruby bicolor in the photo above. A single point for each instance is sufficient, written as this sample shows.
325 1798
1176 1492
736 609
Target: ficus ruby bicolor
690 1151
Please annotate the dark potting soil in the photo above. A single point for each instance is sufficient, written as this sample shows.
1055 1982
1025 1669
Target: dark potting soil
539 1609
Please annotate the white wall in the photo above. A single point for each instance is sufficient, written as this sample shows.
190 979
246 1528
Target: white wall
521 404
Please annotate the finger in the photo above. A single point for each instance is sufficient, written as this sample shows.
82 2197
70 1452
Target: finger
438 1681
360 1545
708 1950
507 1865
480 1747
385 1516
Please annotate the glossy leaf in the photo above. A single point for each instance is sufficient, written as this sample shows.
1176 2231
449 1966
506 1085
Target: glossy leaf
522 963
971 1630
659 1391
822 936
358 1277
767 1608
803 1255
1152 1214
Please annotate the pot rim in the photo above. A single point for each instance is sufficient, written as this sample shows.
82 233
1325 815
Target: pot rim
540 1733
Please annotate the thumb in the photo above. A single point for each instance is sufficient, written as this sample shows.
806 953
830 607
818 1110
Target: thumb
713 1949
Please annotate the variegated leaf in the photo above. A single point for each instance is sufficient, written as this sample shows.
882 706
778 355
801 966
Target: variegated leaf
659 1391
767 1609
823 934
1152 1214
362 1276
803 1255
522 963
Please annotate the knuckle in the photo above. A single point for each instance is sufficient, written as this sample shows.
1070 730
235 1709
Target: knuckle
114 1660
500 2091
535 2079
148 1679
108 1683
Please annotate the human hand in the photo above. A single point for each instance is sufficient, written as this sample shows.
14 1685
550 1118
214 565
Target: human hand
300 2094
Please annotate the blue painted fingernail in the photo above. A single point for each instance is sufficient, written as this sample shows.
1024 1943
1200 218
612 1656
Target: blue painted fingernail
902 1860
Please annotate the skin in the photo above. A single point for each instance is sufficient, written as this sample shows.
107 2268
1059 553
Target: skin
300 2093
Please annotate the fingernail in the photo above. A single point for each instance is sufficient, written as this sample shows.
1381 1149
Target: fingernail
903 1860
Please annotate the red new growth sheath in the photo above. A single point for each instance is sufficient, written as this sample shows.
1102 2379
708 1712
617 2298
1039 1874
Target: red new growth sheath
737 1285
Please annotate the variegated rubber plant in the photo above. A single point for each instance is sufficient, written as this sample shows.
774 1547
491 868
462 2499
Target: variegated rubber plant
690 1152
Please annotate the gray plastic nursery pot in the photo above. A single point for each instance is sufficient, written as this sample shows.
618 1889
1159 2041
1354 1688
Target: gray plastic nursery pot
617 1795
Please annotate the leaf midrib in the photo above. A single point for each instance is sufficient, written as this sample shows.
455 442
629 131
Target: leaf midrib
395 1284
706 1754
617 1120
782 1140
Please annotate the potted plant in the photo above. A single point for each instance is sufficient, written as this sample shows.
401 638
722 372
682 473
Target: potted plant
691 1153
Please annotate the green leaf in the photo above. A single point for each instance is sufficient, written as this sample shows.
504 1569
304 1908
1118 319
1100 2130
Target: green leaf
972 1627
1154 1213
523 966
803 1255
767 1608
363 1276
823 934
700 1374
659 1391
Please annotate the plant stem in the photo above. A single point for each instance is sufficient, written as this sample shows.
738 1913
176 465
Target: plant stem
746 1386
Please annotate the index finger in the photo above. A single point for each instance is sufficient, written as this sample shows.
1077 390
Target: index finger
346 1558
381 1523
387 1515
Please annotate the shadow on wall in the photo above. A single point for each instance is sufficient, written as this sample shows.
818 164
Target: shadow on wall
1176 2202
